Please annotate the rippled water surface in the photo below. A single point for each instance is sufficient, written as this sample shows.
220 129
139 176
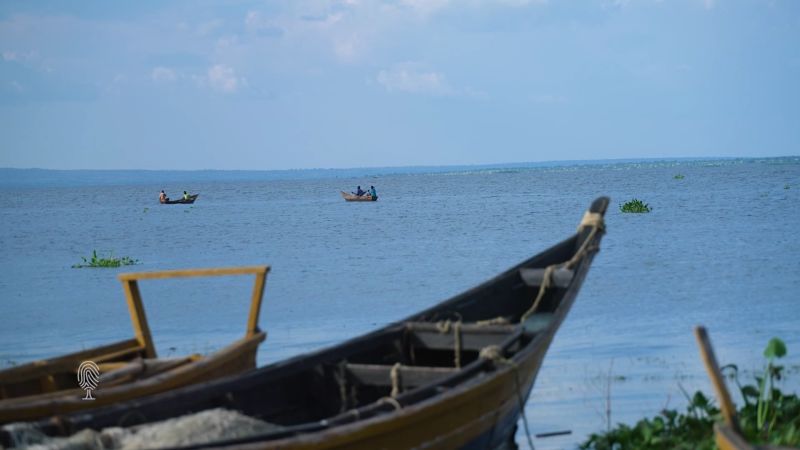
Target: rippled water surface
719 248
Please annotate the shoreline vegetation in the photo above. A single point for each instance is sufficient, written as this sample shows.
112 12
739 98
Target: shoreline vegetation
105 262
768 415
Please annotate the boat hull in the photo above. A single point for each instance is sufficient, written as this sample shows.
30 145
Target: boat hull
355 198
182 201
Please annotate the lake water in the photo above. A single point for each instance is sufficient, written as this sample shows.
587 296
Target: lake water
719 248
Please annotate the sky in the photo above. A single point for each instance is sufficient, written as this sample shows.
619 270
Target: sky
262 85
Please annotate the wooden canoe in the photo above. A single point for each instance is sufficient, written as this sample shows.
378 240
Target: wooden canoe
182 201
128 369
727 434
355 198
454 376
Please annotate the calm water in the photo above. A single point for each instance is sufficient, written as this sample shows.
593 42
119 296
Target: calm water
720 248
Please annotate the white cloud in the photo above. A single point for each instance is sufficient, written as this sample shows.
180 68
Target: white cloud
407 78
223 78
709 4
9 55
256 23
163 75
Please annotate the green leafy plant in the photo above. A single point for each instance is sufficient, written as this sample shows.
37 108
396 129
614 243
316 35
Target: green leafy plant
679 177
110 261
767 416
786 186
635 206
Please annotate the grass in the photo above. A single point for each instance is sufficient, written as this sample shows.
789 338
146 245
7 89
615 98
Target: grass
635 206
679 177
111 261
768 416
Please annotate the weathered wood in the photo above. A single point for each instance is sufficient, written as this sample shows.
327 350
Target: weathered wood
560 278
186 273
472 337
409 376
49 387
727 408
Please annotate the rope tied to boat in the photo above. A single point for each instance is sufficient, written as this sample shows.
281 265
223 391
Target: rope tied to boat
394 374
499 320
392 401
494 354
590 219
443 326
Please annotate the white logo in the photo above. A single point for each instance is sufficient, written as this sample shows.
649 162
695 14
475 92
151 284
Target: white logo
88 378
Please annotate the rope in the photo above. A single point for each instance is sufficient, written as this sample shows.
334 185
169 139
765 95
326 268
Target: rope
341 379
392 401
499 320
495 354
444 326
457 350
590 219
395 376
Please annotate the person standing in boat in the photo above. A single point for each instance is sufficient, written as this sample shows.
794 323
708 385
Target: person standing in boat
185 195
162 197
372 192
359 192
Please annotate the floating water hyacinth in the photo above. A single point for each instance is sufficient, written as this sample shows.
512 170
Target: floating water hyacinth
679 177
635 206
111 261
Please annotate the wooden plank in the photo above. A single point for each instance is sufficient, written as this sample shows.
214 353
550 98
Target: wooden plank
409 376
473 337
138 318
255 303
560 278
712 368
187 273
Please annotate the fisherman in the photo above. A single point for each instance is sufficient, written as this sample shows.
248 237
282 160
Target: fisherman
185 195
373 193
162 197
359 192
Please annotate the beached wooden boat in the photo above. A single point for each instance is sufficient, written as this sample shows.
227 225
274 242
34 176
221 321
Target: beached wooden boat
727 434
355 198
454 376
183 201
130 368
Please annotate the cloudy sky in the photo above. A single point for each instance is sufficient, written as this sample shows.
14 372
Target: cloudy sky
355 83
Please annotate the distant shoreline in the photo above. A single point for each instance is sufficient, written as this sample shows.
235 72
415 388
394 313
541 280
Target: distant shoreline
33 177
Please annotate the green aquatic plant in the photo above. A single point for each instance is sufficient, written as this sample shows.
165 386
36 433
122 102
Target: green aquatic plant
635 206
786 186
767 416
679 177
110 261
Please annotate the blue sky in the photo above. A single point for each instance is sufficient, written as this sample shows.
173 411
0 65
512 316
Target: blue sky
314 83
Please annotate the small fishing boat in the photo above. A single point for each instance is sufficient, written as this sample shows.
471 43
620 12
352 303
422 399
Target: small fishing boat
456 375
184 201
128 369
356 198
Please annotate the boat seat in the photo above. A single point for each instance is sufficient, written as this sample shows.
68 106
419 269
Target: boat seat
409 377
560 278
473 337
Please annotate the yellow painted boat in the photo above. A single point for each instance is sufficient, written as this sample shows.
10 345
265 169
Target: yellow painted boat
128 369
454 376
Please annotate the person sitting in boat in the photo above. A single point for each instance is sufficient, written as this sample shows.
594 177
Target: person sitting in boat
162 197
185 195
372 192
359 192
